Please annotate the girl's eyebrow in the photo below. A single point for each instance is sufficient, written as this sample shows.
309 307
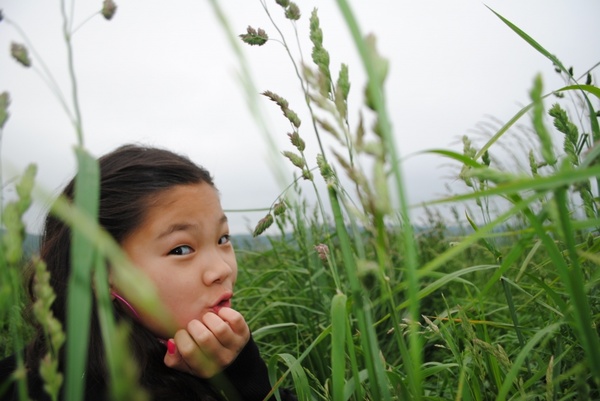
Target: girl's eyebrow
185 227
177 227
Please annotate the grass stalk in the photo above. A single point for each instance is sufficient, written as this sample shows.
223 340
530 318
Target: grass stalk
409 247
44 73
513 316
74 91
361 308
576 288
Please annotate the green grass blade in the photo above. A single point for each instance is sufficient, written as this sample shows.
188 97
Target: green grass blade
459 157
594 90
357 376
523 183
79 298
338 337
513 315
107 320
271 329
532 42
301 385
576 287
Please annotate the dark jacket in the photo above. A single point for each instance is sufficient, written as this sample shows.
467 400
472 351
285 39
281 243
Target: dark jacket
247 376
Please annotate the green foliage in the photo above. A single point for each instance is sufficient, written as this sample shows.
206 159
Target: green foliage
494 311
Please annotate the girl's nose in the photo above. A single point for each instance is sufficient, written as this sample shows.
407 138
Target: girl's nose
217 268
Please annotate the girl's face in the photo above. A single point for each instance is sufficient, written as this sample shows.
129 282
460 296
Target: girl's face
183 247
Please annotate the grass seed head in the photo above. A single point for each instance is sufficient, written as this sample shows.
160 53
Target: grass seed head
283 3
109 8
281 102
296 160
254 37
316 33
279 208
12 217
4 103
538 122
292 117
327 126
342 88
51 376
431 325
284 106
486 158
44 298
550 379
564 125
263 224
320 56
322 251
19 52
325 169
297 141
533 164
343 82
292 12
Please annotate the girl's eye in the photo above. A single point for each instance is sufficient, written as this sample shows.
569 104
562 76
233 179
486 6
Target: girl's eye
181 250
224 239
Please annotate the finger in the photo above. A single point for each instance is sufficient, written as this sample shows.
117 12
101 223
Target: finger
210 346
193 359
174 359
172 356
220 329
236 321
203 337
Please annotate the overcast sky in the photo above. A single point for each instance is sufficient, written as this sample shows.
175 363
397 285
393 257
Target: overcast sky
163 73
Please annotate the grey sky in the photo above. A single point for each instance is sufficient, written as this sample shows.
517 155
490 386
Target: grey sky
163 73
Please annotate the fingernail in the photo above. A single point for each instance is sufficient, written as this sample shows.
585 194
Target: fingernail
170 347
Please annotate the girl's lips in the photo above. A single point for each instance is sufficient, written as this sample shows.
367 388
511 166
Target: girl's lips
223 302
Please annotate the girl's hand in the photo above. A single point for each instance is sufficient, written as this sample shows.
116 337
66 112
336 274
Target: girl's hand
208 346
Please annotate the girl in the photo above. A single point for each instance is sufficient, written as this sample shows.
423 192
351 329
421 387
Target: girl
165 213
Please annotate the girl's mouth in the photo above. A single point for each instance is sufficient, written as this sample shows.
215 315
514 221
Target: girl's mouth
225 302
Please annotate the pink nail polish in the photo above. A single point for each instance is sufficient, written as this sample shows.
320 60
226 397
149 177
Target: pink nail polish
170 347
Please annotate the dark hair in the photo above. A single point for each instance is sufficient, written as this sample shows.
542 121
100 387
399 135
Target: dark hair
131 177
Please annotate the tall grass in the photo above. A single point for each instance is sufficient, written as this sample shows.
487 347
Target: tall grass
485 340
351 300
